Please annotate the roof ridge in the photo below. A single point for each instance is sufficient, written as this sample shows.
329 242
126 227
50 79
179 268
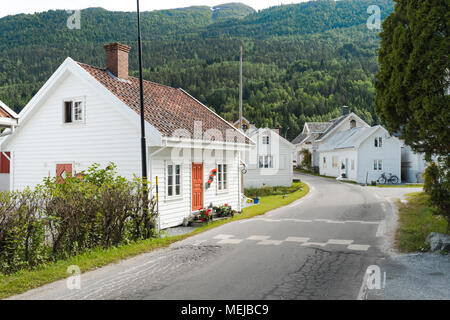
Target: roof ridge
130 77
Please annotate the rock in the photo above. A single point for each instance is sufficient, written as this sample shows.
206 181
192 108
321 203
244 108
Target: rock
438 241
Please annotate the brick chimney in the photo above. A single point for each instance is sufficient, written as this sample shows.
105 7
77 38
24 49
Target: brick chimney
345 110
117 59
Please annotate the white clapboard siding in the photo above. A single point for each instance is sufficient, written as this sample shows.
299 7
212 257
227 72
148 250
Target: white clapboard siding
342 155
282 152
45 140
4 182
390 153
174 209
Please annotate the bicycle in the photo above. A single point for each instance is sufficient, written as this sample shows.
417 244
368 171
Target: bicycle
383 179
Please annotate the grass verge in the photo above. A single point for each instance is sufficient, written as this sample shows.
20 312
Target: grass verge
397 185
416 221
25 280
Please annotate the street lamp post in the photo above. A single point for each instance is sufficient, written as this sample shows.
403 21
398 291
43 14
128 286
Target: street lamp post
141 94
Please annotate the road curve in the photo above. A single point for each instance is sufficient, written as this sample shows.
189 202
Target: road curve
319 247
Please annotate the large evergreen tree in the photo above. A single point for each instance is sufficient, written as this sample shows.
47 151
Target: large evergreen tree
413 79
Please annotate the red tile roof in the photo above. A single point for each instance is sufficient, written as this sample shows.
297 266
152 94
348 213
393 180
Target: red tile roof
4 113
166 108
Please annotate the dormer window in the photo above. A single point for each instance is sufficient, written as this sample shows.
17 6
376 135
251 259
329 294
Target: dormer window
352 124
265 140
73 111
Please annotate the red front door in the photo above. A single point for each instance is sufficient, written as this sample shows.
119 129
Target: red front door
197 186
63 171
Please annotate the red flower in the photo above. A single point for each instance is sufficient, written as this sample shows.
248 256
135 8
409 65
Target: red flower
209 181
203 219
226 204
214 170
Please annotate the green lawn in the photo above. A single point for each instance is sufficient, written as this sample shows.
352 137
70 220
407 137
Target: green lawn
416 221
25 280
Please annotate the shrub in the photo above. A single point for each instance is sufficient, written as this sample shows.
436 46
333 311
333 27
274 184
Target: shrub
22 231
306 157
57 220
437 186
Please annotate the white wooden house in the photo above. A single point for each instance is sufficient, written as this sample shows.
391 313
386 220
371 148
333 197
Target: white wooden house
316 133
348 145
270 162
413 165
84 115
361 153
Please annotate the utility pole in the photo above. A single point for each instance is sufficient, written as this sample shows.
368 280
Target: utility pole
240 92
141 93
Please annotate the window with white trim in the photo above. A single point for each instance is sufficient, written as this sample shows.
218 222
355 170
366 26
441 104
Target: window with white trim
265 140
377 165
73 111
265 162
222 177
173 180
324 162
378 142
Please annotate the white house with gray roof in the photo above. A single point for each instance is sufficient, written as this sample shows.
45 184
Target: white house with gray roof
348 145
362 154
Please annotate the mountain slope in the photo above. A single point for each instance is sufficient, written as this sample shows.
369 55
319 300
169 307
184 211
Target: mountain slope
302 62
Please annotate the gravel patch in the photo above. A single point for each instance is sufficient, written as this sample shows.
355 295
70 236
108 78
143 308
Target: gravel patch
421 276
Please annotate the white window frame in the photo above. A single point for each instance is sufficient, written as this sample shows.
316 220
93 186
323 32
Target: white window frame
223 185
377 165
73 102
265 161
174 184
378 142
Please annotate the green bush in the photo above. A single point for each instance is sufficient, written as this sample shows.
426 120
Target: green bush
437 186
58 220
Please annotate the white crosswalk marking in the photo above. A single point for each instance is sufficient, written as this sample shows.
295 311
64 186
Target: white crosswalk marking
358 247
296 239
321 244
258 238
337 241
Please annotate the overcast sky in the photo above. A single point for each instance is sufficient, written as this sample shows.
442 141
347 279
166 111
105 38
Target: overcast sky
32 6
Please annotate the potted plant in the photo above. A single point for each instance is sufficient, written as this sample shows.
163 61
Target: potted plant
206 215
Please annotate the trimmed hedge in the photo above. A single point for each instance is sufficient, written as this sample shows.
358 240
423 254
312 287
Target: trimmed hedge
57 220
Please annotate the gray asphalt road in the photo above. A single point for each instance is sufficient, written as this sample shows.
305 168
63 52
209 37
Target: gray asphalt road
316 248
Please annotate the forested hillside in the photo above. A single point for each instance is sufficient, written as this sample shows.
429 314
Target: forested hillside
302 62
